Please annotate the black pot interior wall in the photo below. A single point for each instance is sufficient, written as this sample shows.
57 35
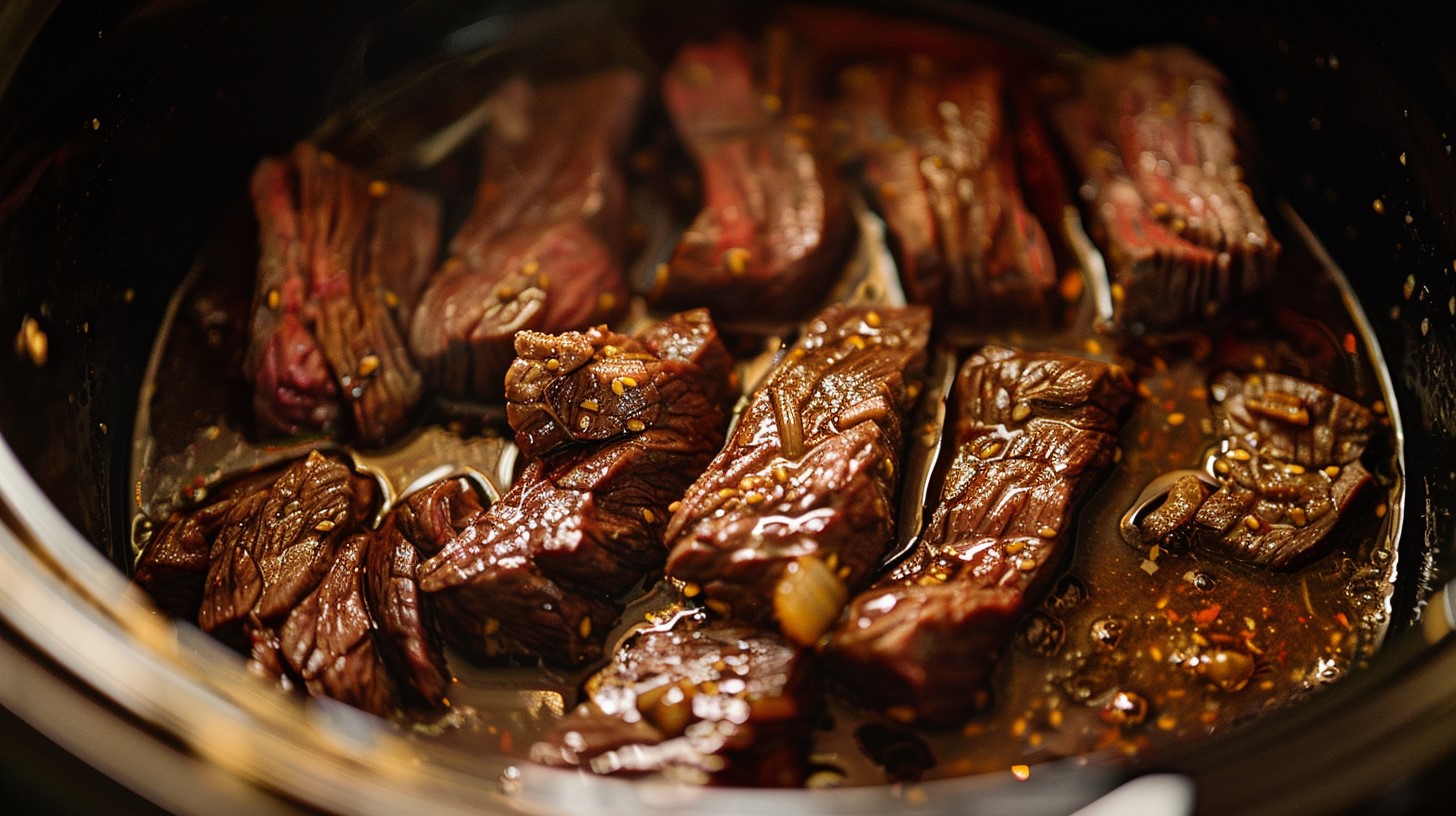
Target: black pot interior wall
129 129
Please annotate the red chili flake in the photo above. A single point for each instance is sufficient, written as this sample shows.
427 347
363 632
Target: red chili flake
507 742
1207 615
1349 343
1342 620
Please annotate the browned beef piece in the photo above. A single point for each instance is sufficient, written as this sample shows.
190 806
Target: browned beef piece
796 511
543 247
328 639
1288 468
698 700
1034 431
173 566
1166 111
540 573
775 223
405 637
598 385
1160 280
339 252
942 172
275 544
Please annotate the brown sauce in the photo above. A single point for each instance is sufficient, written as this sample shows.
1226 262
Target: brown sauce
1127 653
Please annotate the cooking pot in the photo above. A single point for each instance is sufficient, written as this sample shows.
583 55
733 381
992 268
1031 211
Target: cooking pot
127 131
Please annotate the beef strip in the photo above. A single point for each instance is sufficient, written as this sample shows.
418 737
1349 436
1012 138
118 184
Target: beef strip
328 640
941 171
1034 431
1166 111
1287 470
796 511
275 544
541 573
338 253
598 385
698 699
406 637
543 247
775 224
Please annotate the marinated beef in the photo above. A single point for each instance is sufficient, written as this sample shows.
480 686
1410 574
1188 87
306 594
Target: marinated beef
1034 431
775 223
1166 111
1287 468
276 544
405 635
328 640
540 573
543 247
941 171
701 700
339 252
797 509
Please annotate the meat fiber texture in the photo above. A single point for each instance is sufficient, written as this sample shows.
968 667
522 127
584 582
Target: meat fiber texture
775 224
941 169
1153 138
341 256
696 700
284 567
541 573
1288 468
1033 432
797 509
542 249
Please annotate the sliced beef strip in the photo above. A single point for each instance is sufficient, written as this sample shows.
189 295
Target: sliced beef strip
274 545
541 573
1288 468
1160 280
598 385
543 247
941 170
796 510
923 640
328 640
338 253
697 700
775 223
406 637
1166 110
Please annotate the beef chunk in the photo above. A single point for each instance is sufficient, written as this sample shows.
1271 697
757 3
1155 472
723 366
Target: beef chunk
941 171
405 636
540 573
796 511
1287 469
1034 430
328 640
338 254
598 385
543 247
1166 111
275 544
775 224
699 700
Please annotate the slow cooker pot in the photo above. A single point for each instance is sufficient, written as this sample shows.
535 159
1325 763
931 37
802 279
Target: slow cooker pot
127 130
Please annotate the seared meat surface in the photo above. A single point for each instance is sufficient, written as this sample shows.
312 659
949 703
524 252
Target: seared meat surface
540 573
941 169
543 247
775 225
796 511
1033 431
700 699
339 254
1287 469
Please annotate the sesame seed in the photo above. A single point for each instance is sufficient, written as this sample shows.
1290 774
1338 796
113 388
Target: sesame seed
635 425
379 188
590 405
690 590
1020 412
872 320
648 516
584 627
553 364
274 298
672 508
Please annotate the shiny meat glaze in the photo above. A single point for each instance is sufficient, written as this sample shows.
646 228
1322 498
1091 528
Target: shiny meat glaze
1033 432
803 490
